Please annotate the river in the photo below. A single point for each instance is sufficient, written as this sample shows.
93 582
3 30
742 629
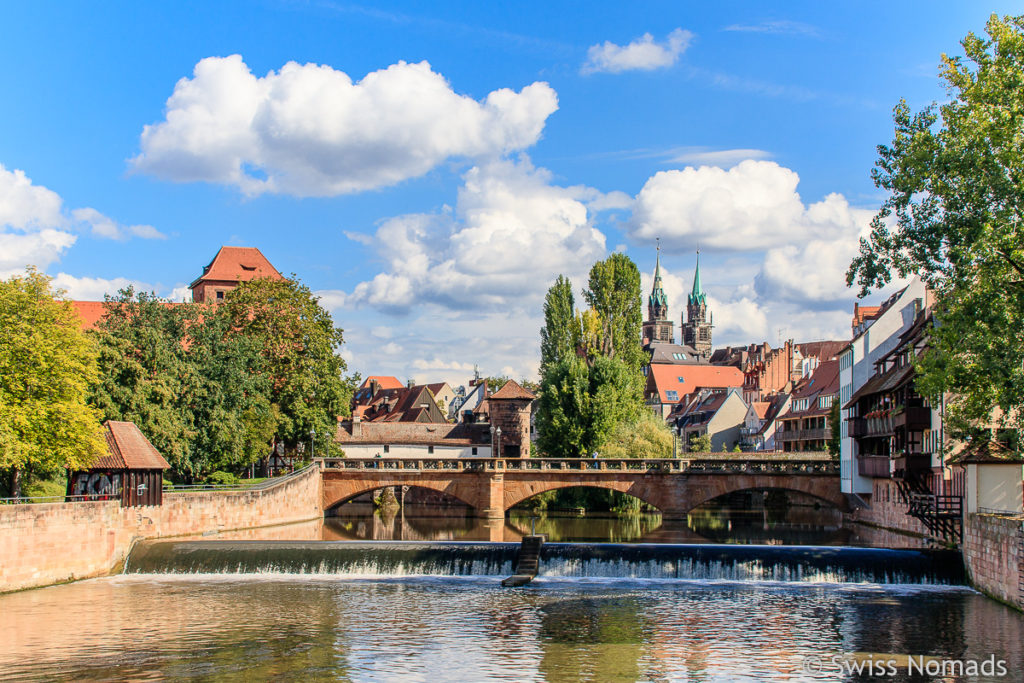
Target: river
724 619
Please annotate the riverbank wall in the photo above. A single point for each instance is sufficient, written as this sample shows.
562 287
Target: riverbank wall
53 543
993 550
885 510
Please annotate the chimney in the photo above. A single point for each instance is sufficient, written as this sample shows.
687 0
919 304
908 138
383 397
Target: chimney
357 426
410 384
374 386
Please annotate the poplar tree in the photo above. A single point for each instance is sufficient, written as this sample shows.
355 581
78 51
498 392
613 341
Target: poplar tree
557 338
614 295
46 367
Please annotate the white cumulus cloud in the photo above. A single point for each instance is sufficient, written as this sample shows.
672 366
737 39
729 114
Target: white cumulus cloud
310 130
512 233
94 288
643 54
751 206
104 226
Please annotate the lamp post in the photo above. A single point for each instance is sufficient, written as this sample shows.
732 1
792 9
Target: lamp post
497 433
312 448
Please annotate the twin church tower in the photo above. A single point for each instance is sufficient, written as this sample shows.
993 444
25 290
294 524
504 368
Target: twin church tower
695 327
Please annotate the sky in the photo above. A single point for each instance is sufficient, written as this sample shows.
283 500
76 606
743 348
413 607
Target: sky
429 168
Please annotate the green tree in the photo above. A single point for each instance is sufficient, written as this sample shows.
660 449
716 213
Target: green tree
562 413
298 345
835 430
699 443
231 408
614 295
955 216
146 376
581 405
46 367
557 339
646 437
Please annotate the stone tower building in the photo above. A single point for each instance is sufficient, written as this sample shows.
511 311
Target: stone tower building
697 326
510 408
657 328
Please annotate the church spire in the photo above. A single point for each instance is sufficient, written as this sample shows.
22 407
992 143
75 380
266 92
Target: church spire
658 300
697 293
657 328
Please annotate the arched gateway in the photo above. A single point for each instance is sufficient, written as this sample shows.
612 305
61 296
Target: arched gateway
492 486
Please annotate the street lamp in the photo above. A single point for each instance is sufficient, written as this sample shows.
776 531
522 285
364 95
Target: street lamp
312 437
497 433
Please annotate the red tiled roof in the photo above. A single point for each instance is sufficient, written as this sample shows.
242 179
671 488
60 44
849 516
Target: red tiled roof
512 390
92 312
823 350
238 264
761 408
824 380
685 379
383 382
447 434
127 448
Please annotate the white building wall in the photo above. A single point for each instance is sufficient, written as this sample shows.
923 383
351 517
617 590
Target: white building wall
414 451
857 365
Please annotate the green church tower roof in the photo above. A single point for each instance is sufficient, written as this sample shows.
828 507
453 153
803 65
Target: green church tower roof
657 297
696 295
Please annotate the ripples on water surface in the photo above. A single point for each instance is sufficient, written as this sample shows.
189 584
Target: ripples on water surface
456 629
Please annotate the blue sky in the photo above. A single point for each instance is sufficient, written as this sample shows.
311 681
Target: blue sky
430 168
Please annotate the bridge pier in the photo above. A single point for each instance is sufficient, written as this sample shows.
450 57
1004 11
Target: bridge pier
495 497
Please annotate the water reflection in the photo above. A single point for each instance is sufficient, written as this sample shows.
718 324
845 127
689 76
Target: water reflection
288 628
794 524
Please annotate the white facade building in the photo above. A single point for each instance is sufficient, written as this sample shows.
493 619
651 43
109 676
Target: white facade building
857 366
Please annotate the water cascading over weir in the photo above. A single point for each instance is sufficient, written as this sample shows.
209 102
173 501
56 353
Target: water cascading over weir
373 559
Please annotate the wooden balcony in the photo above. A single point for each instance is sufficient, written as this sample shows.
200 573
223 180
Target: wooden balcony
914 419
804 434
863 427
906 466
875 466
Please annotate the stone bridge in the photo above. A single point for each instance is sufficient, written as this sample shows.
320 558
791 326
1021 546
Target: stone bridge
492 485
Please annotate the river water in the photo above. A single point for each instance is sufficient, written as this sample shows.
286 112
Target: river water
283 618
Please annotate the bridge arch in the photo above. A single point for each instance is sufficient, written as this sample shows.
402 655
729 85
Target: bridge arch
518 492
340 491
716 487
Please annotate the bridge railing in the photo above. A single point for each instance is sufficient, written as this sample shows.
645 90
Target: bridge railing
725 465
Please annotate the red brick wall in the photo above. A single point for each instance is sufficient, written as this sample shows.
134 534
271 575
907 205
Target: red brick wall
56 542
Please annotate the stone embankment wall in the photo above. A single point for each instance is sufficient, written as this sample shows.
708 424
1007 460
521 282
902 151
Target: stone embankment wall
993 548
885 510
55 542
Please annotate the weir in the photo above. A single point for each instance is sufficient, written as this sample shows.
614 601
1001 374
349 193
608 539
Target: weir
799 564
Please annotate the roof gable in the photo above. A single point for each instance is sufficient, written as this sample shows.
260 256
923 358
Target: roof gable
512 390
128 448
685 379
238 264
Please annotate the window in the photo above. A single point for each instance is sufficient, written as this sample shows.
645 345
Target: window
387 448
430 449
220 296
671 395
681 379
474 450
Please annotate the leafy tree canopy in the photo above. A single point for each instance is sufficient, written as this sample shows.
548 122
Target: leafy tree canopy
146 375
955 216
46 367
